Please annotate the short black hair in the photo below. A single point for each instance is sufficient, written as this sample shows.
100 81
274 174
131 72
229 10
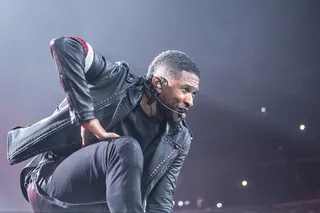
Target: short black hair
175 61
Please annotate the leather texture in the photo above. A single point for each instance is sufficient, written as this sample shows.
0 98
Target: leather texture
108 92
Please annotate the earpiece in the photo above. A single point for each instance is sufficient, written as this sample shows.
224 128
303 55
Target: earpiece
159 85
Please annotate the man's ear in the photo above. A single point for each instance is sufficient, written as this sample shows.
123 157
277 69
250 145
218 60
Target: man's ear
157 84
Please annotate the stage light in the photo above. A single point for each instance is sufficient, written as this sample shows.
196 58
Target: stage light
302 127
187 202
263 109
244 183
174 203
219 205
180 203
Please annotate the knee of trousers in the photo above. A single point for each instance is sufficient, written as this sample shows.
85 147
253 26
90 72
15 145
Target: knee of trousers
129 150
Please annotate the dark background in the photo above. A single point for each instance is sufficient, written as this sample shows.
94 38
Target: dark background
251 53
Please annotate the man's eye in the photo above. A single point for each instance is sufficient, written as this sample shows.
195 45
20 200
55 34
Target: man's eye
184 90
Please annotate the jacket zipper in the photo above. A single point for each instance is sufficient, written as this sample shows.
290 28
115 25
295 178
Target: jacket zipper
149 185
155 172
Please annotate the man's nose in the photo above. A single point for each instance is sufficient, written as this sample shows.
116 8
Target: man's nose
188 101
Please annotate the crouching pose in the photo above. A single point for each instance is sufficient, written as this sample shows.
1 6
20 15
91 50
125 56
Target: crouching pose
117 142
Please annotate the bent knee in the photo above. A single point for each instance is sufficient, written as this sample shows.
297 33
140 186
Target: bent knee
129 148
128 144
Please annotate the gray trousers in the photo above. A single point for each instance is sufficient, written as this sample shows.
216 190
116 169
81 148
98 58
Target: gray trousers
102 177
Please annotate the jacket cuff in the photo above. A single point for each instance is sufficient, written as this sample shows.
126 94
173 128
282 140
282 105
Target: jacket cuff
80 117
84 116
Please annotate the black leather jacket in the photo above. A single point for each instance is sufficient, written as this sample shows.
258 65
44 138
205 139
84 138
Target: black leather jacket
97 87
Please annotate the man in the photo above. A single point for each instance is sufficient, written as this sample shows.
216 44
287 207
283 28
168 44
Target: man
133 133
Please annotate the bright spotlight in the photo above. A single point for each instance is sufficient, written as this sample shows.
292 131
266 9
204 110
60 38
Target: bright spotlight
187 202
302 127
263 109
180 203
244 183
174 203
219 205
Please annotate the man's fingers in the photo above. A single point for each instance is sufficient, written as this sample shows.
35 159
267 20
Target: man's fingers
115 135
111 135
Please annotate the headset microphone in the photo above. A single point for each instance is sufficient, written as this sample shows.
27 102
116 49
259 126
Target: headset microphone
182 112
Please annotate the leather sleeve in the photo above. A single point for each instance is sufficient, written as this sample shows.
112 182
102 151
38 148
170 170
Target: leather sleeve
77 65
161 197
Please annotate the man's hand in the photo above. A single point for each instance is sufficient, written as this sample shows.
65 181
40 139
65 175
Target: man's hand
96 129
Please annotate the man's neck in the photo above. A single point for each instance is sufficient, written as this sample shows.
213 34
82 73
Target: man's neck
149 106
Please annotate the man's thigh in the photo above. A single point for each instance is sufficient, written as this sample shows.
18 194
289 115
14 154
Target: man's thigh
85 175
80 178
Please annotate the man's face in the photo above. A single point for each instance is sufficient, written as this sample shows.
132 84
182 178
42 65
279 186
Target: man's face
179 94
